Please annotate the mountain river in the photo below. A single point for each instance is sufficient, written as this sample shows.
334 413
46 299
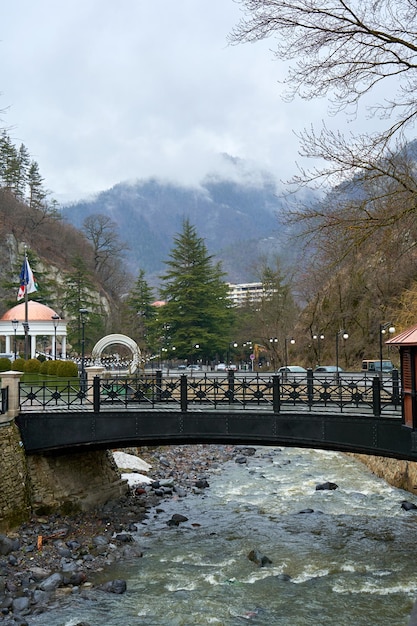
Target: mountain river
340 557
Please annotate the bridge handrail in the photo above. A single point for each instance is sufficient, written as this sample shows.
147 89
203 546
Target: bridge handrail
269 391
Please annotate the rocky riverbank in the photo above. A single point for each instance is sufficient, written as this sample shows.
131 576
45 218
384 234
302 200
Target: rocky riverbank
54 556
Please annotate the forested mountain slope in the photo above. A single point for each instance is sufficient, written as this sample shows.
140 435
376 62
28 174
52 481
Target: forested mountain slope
239 222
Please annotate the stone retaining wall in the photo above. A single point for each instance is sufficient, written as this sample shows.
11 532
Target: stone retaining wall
14 494
401 474
70 483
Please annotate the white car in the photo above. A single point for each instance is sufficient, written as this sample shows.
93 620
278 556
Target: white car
292 369
221 367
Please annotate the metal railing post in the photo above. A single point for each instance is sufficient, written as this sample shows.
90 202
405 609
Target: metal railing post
183 393
231 386
96 394
396 397
4 400
276 391
310 387
376 396
158 386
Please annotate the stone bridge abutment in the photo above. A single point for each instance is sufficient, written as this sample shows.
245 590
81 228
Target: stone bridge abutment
44 484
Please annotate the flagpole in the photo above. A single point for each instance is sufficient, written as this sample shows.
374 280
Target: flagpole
26 322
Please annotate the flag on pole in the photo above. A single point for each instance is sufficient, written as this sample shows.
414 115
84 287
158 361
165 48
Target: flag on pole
27 280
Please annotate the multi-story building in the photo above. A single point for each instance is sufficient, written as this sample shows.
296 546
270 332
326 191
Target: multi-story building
247 292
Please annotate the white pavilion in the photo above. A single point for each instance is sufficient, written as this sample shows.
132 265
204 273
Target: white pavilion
43 322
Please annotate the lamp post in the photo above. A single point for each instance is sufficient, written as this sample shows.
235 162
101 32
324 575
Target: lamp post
83 315
272 341
55 320
232 344
26 331
15 324
290 340
344 335
318 338
382 330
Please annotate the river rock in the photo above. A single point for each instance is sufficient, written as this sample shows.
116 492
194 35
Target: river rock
260 559
177 519
7 545
114 586
247 451
408 506
100 540
327 486
201 483
21 604
52 582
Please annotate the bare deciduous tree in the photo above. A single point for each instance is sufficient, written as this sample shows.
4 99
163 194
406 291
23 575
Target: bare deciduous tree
343 49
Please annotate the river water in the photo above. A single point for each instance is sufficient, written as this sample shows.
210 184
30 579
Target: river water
342 557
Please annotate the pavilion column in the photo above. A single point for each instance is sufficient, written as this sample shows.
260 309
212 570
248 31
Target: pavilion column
63 347
32 346
8 344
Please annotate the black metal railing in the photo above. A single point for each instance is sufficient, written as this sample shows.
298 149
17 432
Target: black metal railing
310 392
55 395
4 400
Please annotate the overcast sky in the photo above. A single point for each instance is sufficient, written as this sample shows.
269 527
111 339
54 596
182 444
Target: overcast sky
104 91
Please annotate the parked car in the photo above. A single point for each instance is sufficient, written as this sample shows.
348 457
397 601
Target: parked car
292 369
232 367
221 367
182 367
328 369
193 368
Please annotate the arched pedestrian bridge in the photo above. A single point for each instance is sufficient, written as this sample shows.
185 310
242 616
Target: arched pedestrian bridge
357 414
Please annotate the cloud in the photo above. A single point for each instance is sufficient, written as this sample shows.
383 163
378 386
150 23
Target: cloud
102 91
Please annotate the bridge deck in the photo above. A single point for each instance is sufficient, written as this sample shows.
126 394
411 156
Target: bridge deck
350 415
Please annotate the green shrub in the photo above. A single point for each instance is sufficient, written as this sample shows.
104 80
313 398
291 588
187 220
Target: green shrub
44 367
5 364
32 366
19 365
53 368
67 369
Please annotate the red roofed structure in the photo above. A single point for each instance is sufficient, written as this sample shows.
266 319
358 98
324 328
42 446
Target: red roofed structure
43 322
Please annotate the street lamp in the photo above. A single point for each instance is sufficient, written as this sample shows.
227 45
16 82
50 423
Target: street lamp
232 344
318 338
55 320
344 335
382 330
26 331
291 340
83 315
15 324
272 341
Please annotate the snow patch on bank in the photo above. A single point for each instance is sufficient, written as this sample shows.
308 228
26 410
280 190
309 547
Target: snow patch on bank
134 466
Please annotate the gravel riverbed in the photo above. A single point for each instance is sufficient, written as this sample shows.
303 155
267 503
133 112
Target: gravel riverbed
50 557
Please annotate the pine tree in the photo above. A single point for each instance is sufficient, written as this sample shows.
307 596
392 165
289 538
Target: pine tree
141 312
37 193
79 295
197 311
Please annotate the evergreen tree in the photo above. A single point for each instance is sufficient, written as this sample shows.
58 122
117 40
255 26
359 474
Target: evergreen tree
21 175
37 193
8 162
197 311
141 312
78 295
